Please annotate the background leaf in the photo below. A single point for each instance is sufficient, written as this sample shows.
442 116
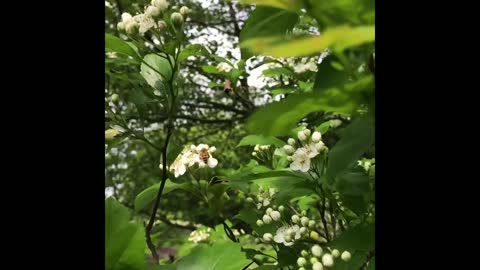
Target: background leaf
159 64
262 140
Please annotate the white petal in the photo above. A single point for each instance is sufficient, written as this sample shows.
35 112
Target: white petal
266 202
182 169
212 149
212 162
295 166
279 238
288 244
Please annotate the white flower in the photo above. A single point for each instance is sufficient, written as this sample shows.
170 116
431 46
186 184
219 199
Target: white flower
284 233
145 23
267 237
291 141
205 156
346 256
301 135
152 11
316 136
311 150
178 167
336 253
317 251
161 4
224 67
301 161
327 260
288 149
317 266
301 261
275 215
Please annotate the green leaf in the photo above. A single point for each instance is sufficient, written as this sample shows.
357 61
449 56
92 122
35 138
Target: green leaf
266 21
193 50
279 118
124 241
353 183
159 65
173 151
358 238
114 44
287 256
337 39
219 256
279 91
211 69
292 5
214 84
262 140
273 72
352 12
323 128
371 266
149 194
357 138
140 101
329 75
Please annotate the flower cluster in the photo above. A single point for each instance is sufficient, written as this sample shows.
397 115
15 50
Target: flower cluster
224 67
200 235
200 154
259 149
366 164
306 64
310 147
149 19
318 259
263 197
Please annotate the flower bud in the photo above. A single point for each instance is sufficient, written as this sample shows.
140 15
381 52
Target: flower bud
303 230
304 253
176 19
184 10
307 132
269 210
317 266
346 256
319 145
313 260
288 149
301 136
114 97
212 149
121 26
281 208
327 260
291 141
152 11
295 219
131 27
160 4
314 235
267 219
311 224
301 261
336 253
268 237
257 147
317 251
316 136
162 25
126 16
110 133
275 215
304 221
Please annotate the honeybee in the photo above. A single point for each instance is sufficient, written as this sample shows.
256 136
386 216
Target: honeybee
204 155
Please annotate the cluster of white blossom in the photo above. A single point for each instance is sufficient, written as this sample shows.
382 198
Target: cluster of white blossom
259 149
224 67
305 64
149 19
309 147
199 235
263 197
317 259
200 154
366 164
